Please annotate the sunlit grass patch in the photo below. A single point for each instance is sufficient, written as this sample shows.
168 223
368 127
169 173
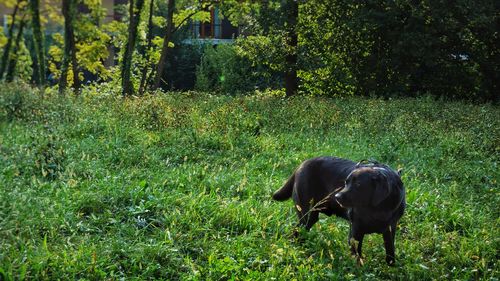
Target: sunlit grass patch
177 186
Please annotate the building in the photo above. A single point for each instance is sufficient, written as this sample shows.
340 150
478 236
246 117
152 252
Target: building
218 30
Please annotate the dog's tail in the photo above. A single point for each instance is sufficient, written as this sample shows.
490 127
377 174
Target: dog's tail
285 192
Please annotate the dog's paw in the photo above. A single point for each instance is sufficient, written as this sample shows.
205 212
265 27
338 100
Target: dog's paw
390 261
360 261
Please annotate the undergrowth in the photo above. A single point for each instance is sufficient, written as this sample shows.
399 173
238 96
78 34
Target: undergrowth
177 186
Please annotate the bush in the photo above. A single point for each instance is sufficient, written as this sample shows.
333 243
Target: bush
265 55
12 105
182 65
222 70
19 102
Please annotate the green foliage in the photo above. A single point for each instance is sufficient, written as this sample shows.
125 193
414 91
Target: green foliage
56 54
3 38
402 47
192 12
225 69
47 156
177 186
23 68
92 43
262 50
384 48
96 11
254 62
182 65
92 47
12 103
19 102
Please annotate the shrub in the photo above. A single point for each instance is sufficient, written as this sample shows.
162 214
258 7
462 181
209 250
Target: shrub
12 101
182 65
265 54
221 69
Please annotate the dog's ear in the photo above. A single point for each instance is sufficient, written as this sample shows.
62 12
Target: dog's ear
382 189
400 172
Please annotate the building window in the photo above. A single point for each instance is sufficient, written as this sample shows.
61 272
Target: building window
216 28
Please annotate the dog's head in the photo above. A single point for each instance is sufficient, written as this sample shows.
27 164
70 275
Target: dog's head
365 186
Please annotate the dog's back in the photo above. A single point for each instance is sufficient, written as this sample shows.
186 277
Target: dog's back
314 183
317 180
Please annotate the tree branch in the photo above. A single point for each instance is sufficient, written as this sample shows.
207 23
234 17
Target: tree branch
184 20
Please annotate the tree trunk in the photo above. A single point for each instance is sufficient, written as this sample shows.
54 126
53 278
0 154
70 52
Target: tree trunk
134 14
6 50
148 48
69 48
164 51
38 41
72 44
291 14
35 73
11 68
63 80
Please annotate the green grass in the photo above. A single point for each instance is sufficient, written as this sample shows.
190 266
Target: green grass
178 185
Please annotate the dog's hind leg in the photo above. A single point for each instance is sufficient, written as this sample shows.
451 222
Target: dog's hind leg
309 219
306 219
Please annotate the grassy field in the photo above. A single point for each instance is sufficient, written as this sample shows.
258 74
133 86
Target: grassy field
177 186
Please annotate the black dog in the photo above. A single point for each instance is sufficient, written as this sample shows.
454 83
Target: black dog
370 195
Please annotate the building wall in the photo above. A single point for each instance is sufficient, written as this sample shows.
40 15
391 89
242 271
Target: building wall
54 24
51 25
3 12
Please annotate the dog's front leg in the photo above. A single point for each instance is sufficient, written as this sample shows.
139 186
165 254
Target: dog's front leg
356 243
389 235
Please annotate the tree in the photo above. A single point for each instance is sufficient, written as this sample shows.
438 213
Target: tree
69 48
400 48
6 52
134 14
189 9
91 40
11 67
166 40
273 41
149 45
291 18
39 66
